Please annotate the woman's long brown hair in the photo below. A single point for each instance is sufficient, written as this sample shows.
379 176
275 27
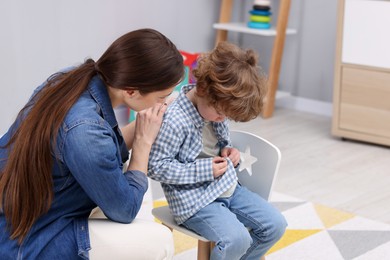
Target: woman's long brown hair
144 60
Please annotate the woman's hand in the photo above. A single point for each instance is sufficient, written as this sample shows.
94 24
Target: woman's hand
232 153
147 126
219 166
148 123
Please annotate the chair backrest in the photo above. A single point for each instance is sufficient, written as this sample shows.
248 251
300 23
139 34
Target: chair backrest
259 165
260 162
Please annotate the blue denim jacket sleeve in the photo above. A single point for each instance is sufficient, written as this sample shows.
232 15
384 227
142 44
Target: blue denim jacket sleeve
92 154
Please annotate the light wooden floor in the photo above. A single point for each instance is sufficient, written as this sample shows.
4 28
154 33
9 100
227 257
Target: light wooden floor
315 166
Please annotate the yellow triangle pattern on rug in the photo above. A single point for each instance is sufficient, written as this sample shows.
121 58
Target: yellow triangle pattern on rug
330 216
292 236
159 203
314 231
183 242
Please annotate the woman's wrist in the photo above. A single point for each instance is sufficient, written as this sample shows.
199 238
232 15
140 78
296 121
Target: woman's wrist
139 156
142 144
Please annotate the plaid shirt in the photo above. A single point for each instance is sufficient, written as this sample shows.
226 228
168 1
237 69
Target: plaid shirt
188 182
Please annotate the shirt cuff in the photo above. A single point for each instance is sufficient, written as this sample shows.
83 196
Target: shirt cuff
137 178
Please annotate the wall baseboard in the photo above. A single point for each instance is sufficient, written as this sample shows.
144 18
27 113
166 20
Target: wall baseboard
304 105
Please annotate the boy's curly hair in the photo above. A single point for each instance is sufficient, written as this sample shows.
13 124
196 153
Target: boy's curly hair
230 80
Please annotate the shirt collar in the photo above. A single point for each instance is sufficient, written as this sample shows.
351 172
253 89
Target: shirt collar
189 107
99 92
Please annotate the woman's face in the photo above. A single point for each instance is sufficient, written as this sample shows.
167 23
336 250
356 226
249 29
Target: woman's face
138 102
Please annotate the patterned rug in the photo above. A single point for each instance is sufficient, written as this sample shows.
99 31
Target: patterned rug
315 232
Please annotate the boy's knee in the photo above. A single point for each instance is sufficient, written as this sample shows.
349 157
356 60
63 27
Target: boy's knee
244 241
278 227
237 243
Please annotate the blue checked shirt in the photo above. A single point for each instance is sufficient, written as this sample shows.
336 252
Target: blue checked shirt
188 182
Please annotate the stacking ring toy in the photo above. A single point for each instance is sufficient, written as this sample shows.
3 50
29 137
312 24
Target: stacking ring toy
262 2
259 25
259 18
261 7
258 12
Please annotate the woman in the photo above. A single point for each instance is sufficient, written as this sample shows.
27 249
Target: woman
64 154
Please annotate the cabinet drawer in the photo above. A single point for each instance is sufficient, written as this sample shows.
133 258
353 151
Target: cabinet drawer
365 101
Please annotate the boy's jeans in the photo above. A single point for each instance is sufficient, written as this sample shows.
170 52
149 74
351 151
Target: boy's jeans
226 222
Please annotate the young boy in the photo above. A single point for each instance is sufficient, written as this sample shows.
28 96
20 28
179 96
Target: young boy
193 159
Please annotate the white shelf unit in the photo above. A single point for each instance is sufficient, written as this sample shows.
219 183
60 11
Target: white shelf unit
243 28
225 25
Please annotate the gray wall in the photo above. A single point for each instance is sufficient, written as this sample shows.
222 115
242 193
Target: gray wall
39 37
308 58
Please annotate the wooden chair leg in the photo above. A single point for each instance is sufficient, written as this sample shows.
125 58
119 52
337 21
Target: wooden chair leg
212 245
203 250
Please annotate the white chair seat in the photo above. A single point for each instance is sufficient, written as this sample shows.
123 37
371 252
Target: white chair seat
164 215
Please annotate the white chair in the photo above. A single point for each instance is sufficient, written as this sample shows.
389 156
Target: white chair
257 171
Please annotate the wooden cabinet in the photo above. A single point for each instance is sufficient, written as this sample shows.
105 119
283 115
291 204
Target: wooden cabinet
361 108
279 33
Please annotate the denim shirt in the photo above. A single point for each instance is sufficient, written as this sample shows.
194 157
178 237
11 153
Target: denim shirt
87 172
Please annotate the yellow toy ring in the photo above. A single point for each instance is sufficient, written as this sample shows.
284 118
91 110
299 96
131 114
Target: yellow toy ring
260 18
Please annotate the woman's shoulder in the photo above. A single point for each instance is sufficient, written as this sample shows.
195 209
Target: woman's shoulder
84 112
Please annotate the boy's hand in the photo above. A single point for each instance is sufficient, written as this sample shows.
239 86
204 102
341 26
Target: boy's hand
219 166
232 153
